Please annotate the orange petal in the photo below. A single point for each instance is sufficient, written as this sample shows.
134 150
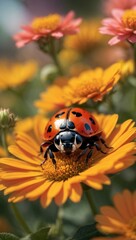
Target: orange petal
63 194
112 213
55 189
45 200
16 196
121 206
19 186
39 190
129 135
19 153
22 137
122 128
20 175
127 195
107 123
16 164
97 181
76 192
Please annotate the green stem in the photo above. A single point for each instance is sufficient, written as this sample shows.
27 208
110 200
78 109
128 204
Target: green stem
59 221
54 56
57 230
3 140
20 218
91 202
57 63
48 47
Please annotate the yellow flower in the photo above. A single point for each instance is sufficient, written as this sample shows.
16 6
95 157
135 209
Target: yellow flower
129 19
92 84
120 219
14 74
23 177
87 39
51 99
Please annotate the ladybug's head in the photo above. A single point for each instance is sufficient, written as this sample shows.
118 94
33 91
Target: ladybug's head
67 141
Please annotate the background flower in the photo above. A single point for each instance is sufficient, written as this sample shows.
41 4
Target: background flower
14 74
120 219
122 26
92 84
51 100
52 25
115 4
87 39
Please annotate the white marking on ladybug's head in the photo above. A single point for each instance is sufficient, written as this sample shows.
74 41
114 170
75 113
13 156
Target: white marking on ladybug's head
68 141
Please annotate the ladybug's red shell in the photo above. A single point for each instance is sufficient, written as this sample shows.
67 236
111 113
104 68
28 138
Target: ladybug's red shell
86 125
75 119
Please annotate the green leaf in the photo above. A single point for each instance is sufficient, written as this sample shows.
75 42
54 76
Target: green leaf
86 233
41 234
8 236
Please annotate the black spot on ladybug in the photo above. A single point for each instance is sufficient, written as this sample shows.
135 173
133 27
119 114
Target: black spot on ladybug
71 125
59 115
92 120
87 127
49 128
63 125
77 114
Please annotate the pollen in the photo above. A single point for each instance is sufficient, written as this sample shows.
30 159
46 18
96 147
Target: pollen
51 22
129 19
131 229
66 167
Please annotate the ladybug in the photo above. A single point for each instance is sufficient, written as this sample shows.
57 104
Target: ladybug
71 129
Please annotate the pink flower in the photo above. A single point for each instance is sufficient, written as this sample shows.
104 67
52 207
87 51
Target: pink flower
122 25
109 5
52 25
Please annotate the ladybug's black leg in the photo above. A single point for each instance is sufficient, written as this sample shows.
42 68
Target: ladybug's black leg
89 155
98 147
49 151
41 149
83 152
104 143
51 155
45 156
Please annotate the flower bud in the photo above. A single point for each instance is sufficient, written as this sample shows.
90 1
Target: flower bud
7 119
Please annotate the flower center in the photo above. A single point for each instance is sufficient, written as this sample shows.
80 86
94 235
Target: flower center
50 22
129 19
131 229
66 167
